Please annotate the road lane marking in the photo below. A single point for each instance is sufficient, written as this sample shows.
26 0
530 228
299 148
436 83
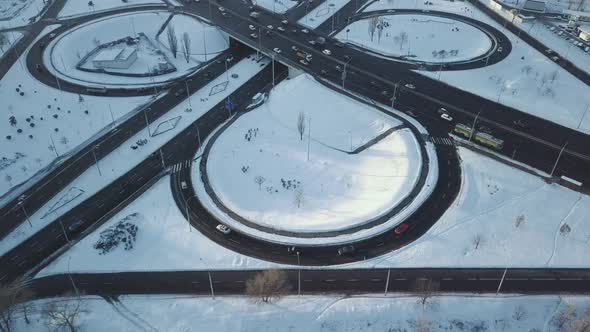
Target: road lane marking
376 280
352 280
329 280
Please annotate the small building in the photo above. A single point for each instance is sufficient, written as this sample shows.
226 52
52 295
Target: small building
115 58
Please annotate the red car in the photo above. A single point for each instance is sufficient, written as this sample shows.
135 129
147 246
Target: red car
400 229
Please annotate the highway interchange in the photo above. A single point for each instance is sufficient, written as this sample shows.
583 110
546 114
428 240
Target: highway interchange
537 144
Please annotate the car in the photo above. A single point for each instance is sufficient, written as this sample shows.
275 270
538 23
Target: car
52 35
281 29
312 42
251 27
500 49
446 116
441 110
327 52
338 68
294 30
39 67
223 229
410 86
41 45
178 93
285 22
253 36
339 44
270 27
374 84
520 123
294 250
347 57
303 62
75 225
348 249
277 50
400 229
323 72
294 48
183 185
555 58
304 30
221 9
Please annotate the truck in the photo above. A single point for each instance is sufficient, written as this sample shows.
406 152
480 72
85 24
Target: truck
304 55
254 15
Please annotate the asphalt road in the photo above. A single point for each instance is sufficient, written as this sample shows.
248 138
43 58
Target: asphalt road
325 281
537 142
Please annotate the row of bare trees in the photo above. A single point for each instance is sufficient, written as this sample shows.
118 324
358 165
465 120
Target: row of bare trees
173 43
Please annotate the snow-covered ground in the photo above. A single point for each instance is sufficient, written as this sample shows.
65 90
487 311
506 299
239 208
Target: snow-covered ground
7 39
275 6
19 13
358 313
524 80
67 50
332 190
122 159
57 121
321 13
79 7
418 38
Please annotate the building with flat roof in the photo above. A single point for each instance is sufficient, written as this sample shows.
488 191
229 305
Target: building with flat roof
115 58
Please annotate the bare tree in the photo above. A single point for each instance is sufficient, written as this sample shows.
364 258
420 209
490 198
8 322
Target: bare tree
582 324
519 221
373 22
172 40
301 125
64 315
476 240
403 37
424 289
553 75
186 46
565 317
519 313
259 181
8 179
267 286
299 197
13 296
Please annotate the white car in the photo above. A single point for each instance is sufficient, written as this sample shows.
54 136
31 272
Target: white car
277 50
327 52
183 185
304 30
251 27
269 27
410 86
281 29
221 9
303 62
223 229
446 116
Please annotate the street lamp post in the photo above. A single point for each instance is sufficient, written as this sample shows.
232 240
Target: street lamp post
188 94
64 231
583 116
473 126
557 160
298 275
22 205
188 216
96 160
147 123
395 86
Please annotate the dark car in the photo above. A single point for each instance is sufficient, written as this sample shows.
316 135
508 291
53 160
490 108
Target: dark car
39 67
179 93
293 250
400 229
348 249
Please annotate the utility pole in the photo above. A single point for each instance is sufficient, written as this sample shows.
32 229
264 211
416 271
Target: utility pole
558 157
298 276
72 279
64 231
308 137
162 158
147 123
96 160
387 281
198 136
501 281
112 116
394 94
211 285
188 94
473 126
22 205
583 116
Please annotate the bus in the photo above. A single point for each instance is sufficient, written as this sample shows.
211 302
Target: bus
462 130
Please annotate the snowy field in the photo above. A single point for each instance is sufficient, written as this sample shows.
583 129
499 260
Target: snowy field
321 13
275 6
52 123
123 158
418 38
358 313
67 50
16 13
525 80
7 39
332 190
79 7
496 202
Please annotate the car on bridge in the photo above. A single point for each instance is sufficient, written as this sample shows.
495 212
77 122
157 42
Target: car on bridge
277 50
75 225
327 52
410 86
251 27
348 249
400 229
